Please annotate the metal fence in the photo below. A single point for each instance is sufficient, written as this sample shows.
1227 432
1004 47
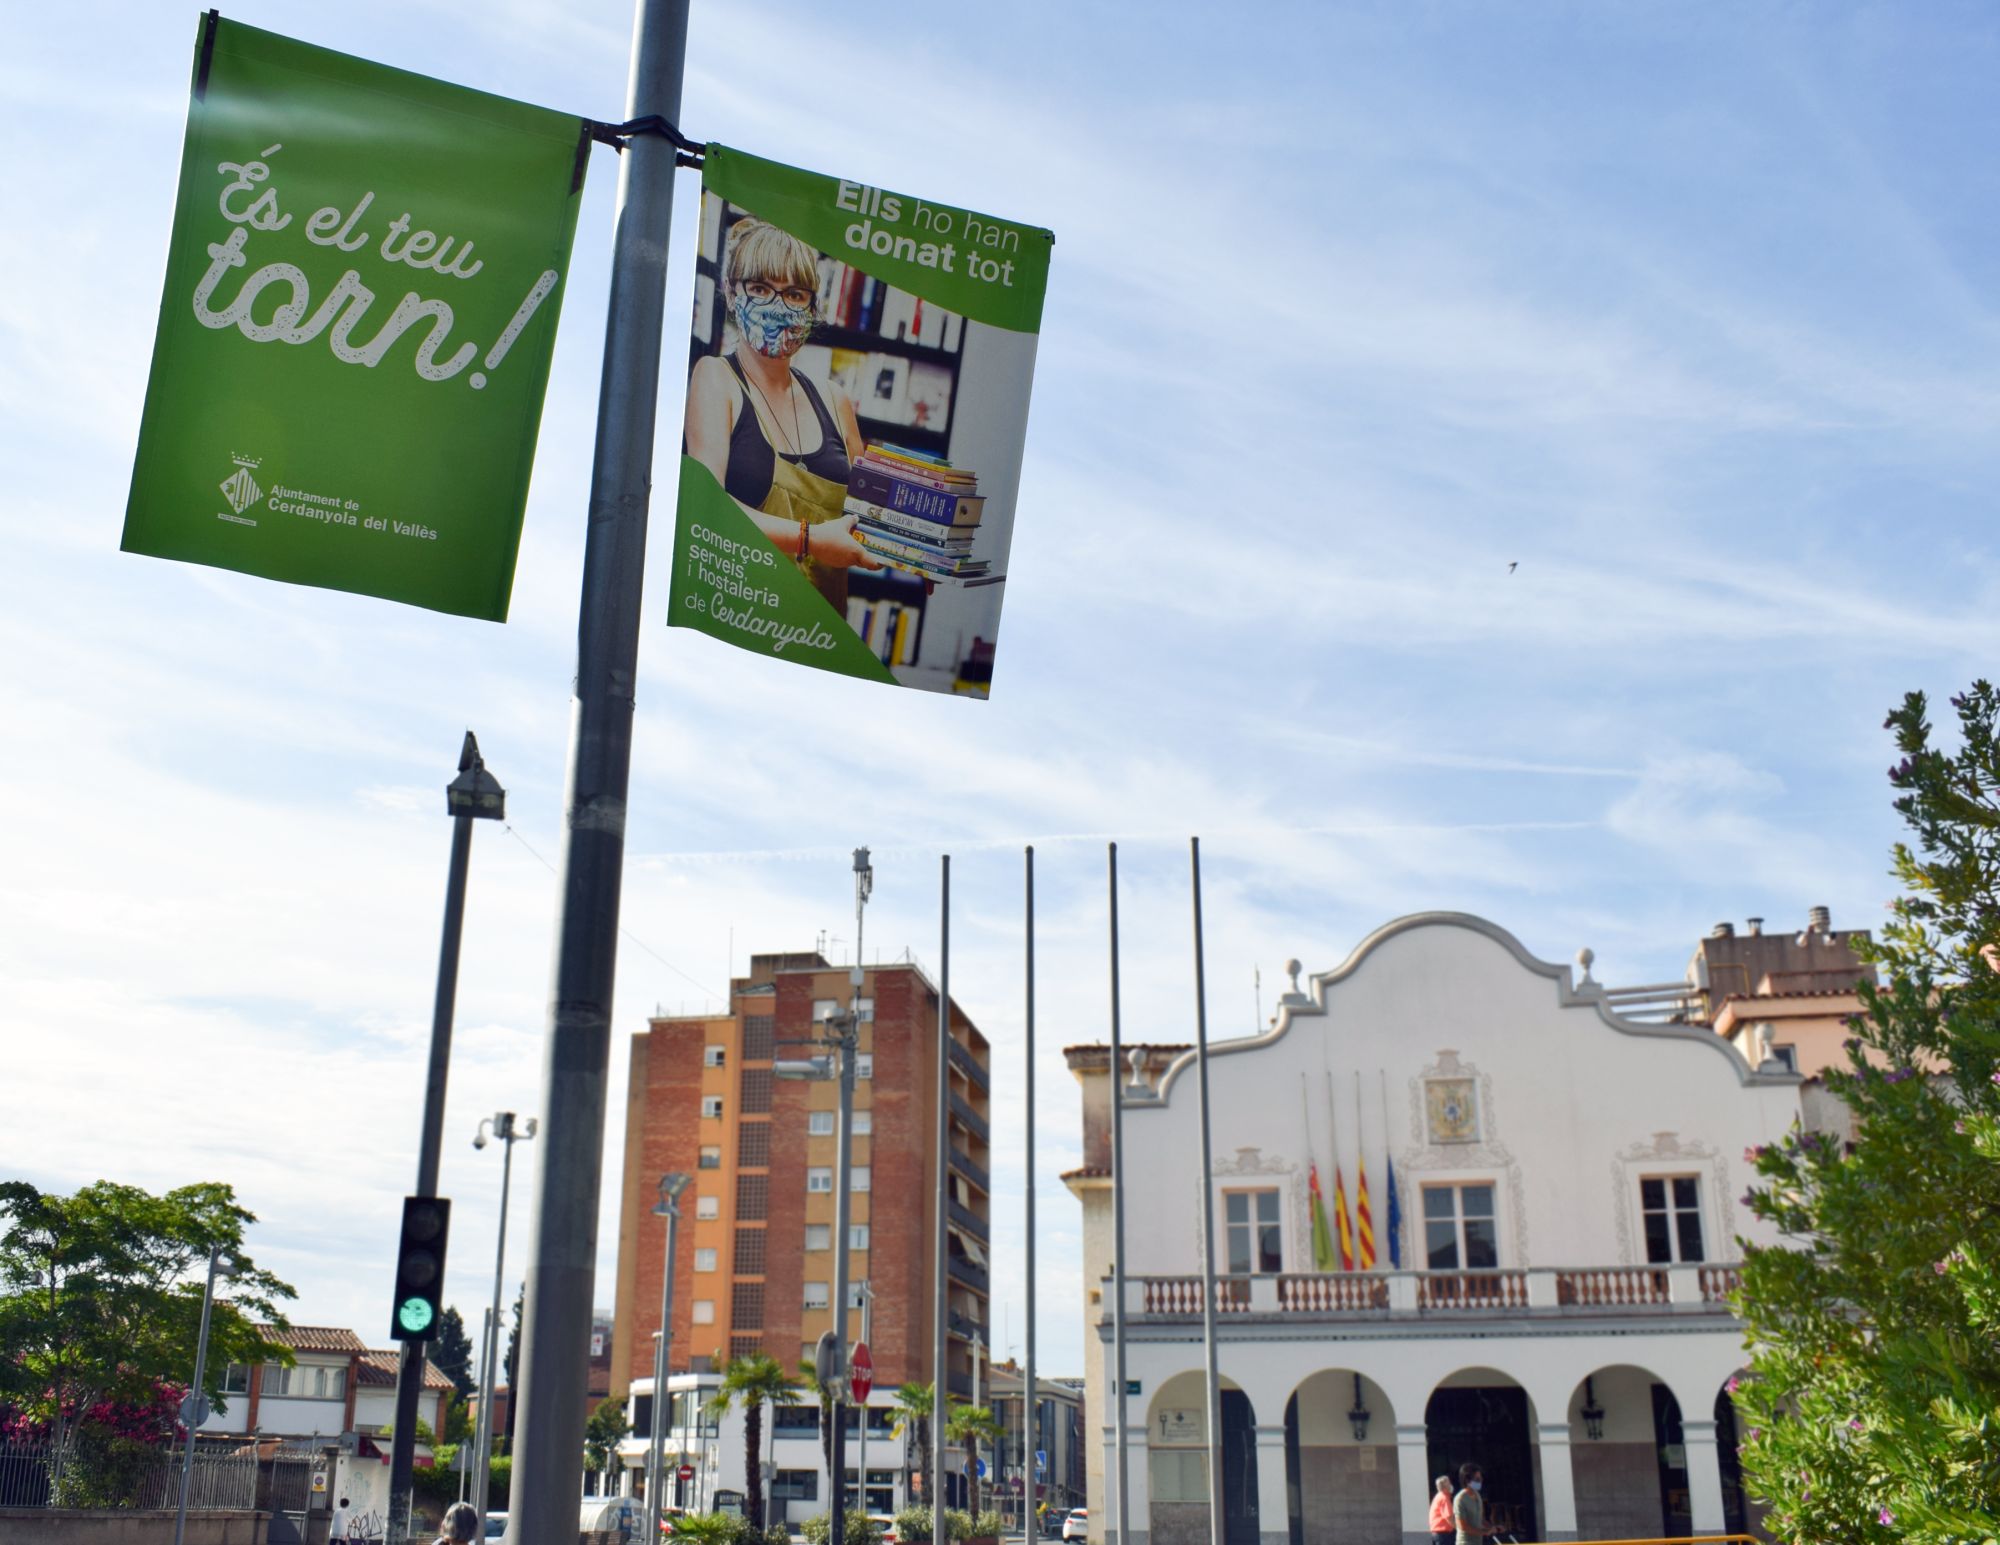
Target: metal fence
122 1473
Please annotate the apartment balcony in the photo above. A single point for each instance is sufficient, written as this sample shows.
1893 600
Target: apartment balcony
966 1328
965 1272
972 1170
968 1064
1532 1293
970 1119
968 1220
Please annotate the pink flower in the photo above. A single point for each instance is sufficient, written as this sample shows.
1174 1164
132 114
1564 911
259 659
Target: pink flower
1941 1267
1885 1518
1733 1385
1756 1433
1854 1424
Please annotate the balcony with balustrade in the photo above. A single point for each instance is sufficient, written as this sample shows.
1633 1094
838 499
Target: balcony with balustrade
1531 1293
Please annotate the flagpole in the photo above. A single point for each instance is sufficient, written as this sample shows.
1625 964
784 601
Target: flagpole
562 1261
1029 1402
1216 1531
1346 1232
1120 1486
940 1379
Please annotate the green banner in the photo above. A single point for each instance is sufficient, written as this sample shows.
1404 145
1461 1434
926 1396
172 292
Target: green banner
362 289
857 406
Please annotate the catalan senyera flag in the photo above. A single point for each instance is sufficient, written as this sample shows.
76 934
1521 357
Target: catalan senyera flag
1364 1226
1340 1219
1322 1236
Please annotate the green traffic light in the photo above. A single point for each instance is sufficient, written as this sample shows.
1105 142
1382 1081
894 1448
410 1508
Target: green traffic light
415 1314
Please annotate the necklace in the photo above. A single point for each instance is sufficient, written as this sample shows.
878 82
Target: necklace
791 396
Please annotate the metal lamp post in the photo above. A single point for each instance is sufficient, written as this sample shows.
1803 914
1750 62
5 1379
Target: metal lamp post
840 1034
668 1207
194 1408
505 1131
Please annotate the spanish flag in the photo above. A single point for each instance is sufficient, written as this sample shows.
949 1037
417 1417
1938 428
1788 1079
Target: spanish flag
1364 1225
1340 1219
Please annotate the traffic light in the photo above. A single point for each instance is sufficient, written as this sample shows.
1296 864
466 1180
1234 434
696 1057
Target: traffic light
420 1268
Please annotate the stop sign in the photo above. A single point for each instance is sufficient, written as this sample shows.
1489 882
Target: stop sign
860 1371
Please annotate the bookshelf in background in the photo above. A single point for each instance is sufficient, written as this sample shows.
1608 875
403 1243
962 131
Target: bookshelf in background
895 355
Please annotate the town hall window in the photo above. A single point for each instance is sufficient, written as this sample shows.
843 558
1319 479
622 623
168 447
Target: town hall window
1671 1207
1460 1232
1254 1236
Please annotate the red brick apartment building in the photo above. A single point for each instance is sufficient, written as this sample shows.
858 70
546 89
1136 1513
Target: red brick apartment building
754 1261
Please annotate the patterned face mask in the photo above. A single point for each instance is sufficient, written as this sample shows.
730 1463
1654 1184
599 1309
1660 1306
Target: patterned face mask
771 327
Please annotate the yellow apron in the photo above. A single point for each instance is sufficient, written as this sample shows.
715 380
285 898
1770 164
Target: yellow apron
798 495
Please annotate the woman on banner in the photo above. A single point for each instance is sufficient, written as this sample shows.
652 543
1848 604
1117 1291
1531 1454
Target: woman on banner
763 428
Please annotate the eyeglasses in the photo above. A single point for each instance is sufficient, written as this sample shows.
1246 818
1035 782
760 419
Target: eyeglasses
795 296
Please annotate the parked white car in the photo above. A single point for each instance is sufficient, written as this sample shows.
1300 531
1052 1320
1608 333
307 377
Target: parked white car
1077 1525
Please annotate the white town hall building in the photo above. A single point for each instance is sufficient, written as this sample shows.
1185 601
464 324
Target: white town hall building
1568 1183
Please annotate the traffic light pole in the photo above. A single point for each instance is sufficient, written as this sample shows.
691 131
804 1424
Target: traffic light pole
471 796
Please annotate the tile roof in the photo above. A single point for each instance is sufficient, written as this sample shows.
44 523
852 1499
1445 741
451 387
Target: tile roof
315 1338
378 1369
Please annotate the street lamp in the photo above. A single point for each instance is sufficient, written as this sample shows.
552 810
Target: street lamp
194 1406
668 1207
505 1131
1359 1416
1592 1413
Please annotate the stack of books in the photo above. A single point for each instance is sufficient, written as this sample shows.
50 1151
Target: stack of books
916 513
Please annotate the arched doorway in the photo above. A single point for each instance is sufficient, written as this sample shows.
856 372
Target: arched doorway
1177 1461
1481 1415
1628 1457
1340 1461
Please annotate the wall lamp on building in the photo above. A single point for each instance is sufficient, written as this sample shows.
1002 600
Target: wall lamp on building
1592 1413
1360 1415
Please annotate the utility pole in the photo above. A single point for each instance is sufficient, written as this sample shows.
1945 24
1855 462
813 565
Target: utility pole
194 1408
940 1380
555 1331
867 1320
475 794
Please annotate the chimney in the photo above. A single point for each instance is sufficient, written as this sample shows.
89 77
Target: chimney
1755 925
1821 920
1723 931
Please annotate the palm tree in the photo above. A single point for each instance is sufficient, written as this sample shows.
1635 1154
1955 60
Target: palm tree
912 1411
750 1382
966 1426
809 1379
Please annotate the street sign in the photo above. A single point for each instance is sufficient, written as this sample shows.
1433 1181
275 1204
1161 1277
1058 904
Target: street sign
685 1473
1131 1386
194 1409
826 1360
1041 1461
979 1468
861 1371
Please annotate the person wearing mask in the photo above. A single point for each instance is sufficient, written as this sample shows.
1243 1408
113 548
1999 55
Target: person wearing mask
1443 1530
1468 1509
775 442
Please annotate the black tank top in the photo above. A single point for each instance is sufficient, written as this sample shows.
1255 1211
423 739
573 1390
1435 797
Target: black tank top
753 459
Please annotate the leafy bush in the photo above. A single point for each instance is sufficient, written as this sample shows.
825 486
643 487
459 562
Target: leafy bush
859 1529
990 1524
713 1529
914 1523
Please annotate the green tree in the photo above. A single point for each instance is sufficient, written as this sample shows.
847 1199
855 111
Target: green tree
513 1360
809 1379
453 1354
1875 1328
100 1297
912 1411
458 1427
752 1382
602 1434
968 1426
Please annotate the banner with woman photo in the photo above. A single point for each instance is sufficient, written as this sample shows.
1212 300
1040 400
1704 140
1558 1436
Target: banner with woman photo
857 405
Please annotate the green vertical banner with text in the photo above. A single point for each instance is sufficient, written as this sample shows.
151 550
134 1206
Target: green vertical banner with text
856 411
362 288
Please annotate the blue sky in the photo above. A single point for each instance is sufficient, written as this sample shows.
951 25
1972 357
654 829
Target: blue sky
1688 311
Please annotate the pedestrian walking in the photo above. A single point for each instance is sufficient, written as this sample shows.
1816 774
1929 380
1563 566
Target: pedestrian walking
336 1528
1468 1511
1443 1530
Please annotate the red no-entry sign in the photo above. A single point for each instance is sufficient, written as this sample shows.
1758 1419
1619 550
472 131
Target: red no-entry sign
685 1472
860 1372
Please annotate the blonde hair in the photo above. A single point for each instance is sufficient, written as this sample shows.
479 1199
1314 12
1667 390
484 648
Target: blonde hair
759 250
